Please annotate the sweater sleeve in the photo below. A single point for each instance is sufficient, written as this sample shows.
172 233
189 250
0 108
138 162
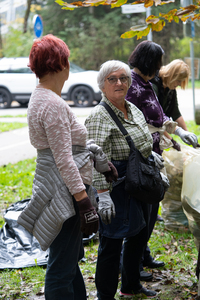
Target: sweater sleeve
58 128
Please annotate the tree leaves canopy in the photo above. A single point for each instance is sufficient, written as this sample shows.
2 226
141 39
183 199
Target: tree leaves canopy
154 23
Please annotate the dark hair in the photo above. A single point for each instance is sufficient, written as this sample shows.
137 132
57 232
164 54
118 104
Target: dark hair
49 54
147 57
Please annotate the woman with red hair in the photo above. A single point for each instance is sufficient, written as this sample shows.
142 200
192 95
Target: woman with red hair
60 206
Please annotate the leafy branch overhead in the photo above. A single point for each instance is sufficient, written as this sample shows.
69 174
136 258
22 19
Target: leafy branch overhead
154 23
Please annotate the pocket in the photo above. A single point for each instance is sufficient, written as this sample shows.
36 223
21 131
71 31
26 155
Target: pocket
146 176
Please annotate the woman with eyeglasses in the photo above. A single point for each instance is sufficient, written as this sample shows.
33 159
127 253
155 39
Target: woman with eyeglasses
122 218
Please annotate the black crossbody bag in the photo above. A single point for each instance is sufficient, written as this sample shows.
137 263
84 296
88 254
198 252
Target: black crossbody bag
143 180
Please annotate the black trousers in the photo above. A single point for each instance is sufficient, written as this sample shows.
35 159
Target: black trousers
153 211
107 270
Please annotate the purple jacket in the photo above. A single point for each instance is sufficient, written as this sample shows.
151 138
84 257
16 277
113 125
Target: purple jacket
141 94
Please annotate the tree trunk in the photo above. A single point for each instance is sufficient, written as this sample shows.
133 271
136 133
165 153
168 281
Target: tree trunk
27 15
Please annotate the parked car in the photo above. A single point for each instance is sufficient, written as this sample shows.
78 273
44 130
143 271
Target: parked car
17 82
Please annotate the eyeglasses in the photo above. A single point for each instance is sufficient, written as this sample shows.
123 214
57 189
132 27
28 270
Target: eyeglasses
113 80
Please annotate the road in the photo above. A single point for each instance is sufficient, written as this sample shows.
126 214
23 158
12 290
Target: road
15 145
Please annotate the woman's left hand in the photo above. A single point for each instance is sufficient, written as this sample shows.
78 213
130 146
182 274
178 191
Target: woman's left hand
187 137
106 207
158 159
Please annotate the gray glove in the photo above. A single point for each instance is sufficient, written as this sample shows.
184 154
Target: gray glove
106 207
99 157
187 137
165 181
159 161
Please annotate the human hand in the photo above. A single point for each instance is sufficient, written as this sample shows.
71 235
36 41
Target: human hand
99 157
187 137
158 159
89 217
176 145
111 175
106 207
165 181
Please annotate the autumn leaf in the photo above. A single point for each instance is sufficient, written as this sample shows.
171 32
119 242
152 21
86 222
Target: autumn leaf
166 2
144 32
148 3
184 19
152 19
139 30
158 26
196 17
129 34
176 19
119 3
169 16
139 27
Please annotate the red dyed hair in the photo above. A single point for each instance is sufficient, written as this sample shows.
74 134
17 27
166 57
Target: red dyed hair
49 54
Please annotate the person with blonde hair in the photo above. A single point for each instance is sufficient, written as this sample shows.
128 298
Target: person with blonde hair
169 77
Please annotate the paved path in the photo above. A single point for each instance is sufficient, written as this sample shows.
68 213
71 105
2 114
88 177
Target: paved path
15 145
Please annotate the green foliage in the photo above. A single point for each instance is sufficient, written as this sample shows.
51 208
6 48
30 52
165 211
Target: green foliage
4 126
11 116
16 43
177 250
94 43
19 284
16 182
92 34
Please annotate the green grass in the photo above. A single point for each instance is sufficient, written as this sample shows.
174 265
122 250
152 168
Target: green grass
176 280
16 183
4 126
11 116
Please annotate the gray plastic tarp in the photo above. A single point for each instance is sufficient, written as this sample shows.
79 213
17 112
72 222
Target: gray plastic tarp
19 248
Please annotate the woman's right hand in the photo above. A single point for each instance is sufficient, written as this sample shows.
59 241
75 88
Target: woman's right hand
89 217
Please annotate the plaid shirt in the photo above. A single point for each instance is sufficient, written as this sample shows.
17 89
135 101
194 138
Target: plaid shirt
103 129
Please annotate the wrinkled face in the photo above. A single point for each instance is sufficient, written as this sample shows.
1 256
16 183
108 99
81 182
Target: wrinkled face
116 85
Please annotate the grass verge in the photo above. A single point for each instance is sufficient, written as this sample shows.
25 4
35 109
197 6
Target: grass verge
4 126
175 281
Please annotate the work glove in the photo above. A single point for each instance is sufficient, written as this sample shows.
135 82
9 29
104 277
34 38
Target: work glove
99 157
89 217
106 207
187 137
165 181
101 164
159 161
176 145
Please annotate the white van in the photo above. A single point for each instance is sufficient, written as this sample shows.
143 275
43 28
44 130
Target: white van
17 82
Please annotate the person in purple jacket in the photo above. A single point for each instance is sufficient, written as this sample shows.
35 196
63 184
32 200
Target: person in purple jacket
145 60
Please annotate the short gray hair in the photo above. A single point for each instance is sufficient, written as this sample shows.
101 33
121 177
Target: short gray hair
109 67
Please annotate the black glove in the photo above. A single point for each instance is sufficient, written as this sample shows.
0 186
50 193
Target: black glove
111 175
89 217
176 145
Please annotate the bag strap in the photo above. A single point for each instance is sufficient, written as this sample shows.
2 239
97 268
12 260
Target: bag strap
119 124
